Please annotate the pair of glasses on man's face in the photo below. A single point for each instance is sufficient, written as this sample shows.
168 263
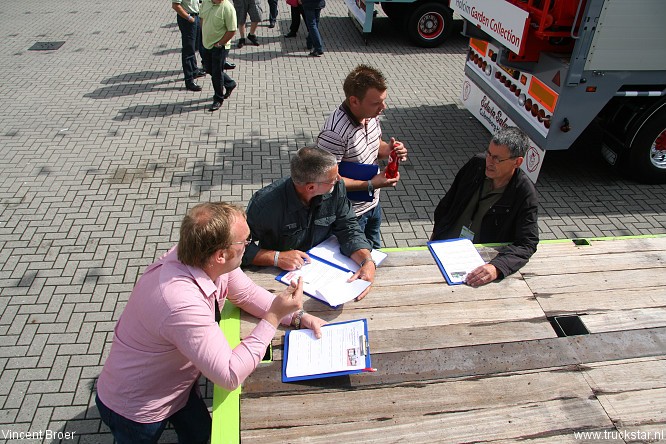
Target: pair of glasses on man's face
496 159
337 178
245 242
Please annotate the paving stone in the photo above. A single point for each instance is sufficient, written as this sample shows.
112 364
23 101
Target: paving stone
100 163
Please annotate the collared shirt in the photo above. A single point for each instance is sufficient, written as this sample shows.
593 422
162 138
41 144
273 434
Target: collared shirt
167 337
513 218
190 6
217 21
476 209
352 141
279 221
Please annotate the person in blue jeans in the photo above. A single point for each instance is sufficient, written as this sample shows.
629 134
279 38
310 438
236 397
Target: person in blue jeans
352 133
190 30
311 11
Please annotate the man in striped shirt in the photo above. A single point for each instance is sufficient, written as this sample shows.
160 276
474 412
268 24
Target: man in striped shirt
352 133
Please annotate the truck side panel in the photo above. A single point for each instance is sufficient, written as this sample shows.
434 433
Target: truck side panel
629 34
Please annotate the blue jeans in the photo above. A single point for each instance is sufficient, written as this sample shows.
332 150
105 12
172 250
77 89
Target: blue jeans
190 34
312 22
192 424
369 223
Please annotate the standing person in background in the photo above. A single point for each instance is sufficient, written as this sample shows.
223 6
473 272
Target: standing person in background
190 31
243 9
296 13
272 13
312 11
219 27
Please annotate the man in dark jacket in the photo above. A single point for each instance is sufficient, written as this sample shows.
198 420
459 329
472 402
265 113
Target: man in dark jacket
492 200
293 214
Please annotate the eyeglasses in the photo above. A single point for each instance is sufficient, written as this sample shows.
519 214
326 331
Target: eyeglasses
496 159
331 183
245 242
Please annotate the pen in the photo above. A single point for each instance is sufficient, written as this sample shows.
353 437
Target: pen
370 369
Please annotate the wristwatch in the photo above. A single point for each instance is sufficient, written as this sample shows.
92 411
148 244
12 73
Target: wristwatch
296 320
369 259
371 188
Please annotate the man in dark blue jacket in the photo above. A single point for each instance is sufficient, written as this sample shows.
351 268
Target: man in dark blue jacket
492 200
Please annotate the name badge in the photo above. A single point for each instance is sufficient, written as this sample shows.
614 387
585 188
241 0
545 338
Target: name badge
466 233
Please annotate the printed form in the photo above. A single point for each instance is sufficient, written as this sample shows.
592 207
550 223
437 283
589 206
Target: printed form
341 347
457 258
326 282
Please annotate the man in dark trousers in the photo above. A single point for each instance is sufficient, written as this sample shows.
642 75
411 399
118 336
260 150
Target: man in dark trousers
190 31
492 200
219 27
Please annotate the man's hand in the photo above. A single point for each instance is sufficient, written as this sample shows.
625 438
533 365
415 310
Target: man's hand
366 273
313 323
482 275
399 148
380 180
286 302
292 260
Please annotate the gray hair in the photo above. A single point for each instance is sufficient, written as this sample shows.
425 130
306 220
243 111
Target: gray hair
514 139
310 164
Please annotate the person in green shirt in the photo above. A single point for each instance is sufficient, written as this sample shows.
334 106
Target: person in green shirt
219 27
190 31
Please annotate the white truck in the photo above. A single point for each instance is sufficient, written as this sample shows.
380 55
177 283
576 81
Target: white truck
427 23
554 67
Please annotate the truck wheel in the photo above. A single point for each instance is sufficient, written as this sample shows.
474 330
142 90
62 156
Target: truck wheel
429 25
647 153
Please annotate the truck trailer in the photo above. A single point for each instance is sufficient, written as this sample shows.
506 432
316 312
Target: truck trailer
427 23
556 68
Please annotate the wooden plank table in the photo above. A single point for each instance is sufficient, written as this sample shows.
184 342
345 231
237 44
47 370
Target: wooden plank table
459 364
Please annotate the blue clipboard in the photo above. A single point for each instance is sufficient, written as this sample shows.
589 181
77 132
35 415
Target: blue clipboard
365 346
313 257
358 171
445 273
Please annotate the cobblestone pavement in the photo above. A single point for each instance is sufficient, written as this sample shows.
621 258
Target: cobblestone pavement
103 151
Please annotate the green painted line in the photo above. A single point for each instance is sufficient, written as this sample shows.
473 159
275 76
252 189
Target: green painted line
639 236
393 249
226 404
548 241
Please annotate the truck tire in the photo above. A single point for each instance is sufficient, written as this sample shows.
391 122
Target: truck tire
647 150
429 25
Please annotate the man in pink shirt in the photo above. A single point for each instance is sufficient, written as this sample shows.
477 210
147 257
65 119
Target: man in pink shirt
167 335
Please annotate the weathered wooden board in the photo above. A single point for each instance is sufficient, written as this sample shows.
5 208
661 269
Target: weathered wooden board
627 375
523 383
432 315
637 407
567 249
596 302
549 403
388 341
625 320
595 281
605 262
